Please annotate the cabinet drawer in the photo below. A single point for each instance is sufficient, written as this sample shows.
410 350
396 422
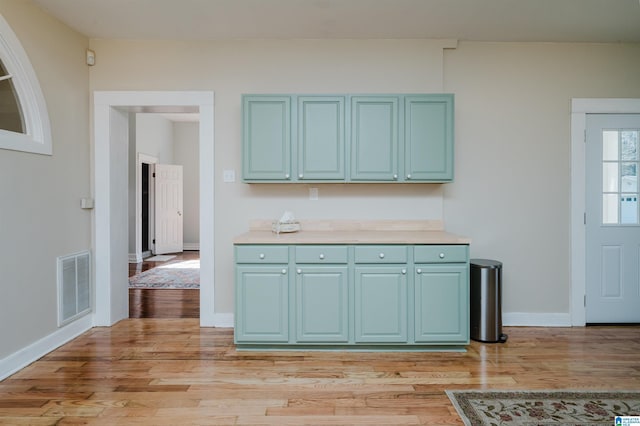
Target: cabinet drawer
381 254
321 254
441 254
262 254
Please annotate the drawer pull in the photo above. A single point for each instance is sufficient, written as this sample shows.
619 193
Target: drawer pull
286 176
300 176
408 176
441 255
284 272
404 271
261 256
299 271
321 256
395 177
419 271
381 255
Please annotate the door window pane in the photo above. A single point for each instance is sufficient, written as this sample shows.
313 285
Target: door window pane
629 177
10 113
610 208
610 145
629 208
610 177
629 145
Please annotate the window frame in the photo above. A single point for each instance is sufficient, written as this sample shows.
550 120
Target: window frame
37 136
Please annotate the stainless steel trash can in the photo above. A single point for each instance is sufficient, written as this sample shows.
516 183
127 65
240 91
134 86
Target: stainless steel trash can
486 301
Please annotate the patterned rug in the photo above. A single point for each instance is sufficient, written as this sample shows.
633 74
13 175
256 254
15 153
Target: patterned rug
184 274
568 408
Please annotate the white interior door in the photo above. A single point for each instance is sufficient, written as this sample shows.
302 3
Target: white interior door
168 209
612 219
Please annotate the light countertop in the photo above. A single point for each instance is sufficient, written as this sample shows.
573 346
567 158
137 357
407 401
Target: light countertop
353 232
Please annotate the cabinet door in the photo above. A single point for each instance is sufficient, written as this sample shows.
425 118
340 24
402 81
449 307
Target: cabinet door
266 138
380 304
322 296
321 138
428 138
374 138
262 304
441 303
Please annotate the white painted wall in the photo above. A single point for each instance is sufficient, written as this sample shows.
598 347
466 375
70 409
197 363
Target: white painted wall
186 138
40 215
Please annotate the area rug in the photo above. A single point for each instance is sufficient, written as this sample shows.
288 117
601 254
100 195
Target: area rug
568 408
185 274
160 258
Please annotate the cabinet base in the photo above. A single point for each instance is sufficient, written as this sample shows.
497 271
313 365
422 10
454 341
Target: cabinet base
351 348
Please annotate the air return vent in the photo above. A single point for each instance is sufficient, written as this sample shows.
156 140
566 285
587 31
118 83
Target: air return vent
74 287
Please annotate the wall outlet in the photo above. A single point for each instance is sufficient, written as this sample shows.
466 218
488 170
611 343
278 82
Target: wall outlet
229 176
313 194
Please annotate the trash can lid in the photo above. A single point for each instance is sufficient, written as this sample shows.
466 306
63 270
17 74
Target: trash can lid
486 263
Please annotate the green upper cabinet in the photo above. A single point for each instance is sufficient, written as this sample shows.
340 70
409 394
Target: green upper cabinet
428 138
266 138
321 138
347 138
374 138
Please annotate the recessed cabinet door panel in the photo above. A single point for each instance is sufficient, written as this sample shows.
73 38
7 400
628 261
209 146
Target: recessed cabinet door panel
428 134
380 304
374 138
262 304
321 137
322 304
266 138
441 303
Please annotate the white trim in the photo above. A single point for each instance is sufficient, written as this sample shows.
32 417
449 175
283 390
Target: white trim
224 320
579 110
135 257
535 319
191 246
37 350
111 290
30 98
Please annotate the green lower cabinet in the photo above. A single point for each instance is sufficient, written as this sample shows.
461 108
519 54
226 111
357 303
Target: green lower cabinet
441 303
380 304
322 304
262 304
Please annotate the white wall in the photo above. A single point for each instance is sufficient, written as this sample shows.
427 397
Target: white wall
40 215
231 68
186 139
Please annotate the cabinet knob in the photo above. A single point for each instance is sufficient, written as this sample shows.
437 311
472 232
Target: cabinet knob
299 271
441 255
300 176
321 256
404 271
408 176
381 255
395 177
419 271
284 272
261 256
286 176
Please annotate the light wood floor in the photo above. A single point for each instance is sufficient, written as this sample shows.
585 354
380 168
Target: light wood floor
163 303
171 372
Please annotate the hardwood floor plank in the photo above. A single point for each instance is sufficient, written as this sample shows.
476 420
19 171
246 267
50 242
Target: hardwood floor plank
171 371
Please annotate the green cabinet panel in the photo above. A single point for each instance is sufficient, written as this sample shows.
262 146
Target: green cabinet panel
374 138
321 146
380 254
441 303
441 253
321 254
380 304
262 304
266 137
428 138
264 253
322 304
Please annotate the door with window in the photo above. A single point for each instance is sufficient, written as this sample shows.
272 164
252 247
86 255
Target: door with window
612 219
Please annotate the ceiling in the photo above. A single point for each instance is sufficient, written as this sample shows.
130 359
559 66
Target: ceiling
482 20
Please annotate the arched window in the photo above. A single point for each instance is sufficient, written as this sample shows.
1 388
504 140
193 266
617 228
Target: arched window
24 121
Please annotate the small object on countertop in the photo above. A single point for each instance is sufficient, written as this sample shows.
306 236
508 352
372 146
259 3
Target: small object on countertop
287 223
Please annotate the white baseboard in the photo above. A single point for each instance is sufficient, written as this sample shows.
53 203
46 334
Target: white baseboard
534 319
191 246
223 320
18 360
135 257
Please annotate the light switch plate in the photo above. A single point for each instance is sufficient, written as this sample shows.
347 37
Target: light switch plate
229 176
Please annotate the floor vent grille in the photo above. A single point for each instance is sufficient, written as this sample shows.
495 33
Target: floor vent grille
74 287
